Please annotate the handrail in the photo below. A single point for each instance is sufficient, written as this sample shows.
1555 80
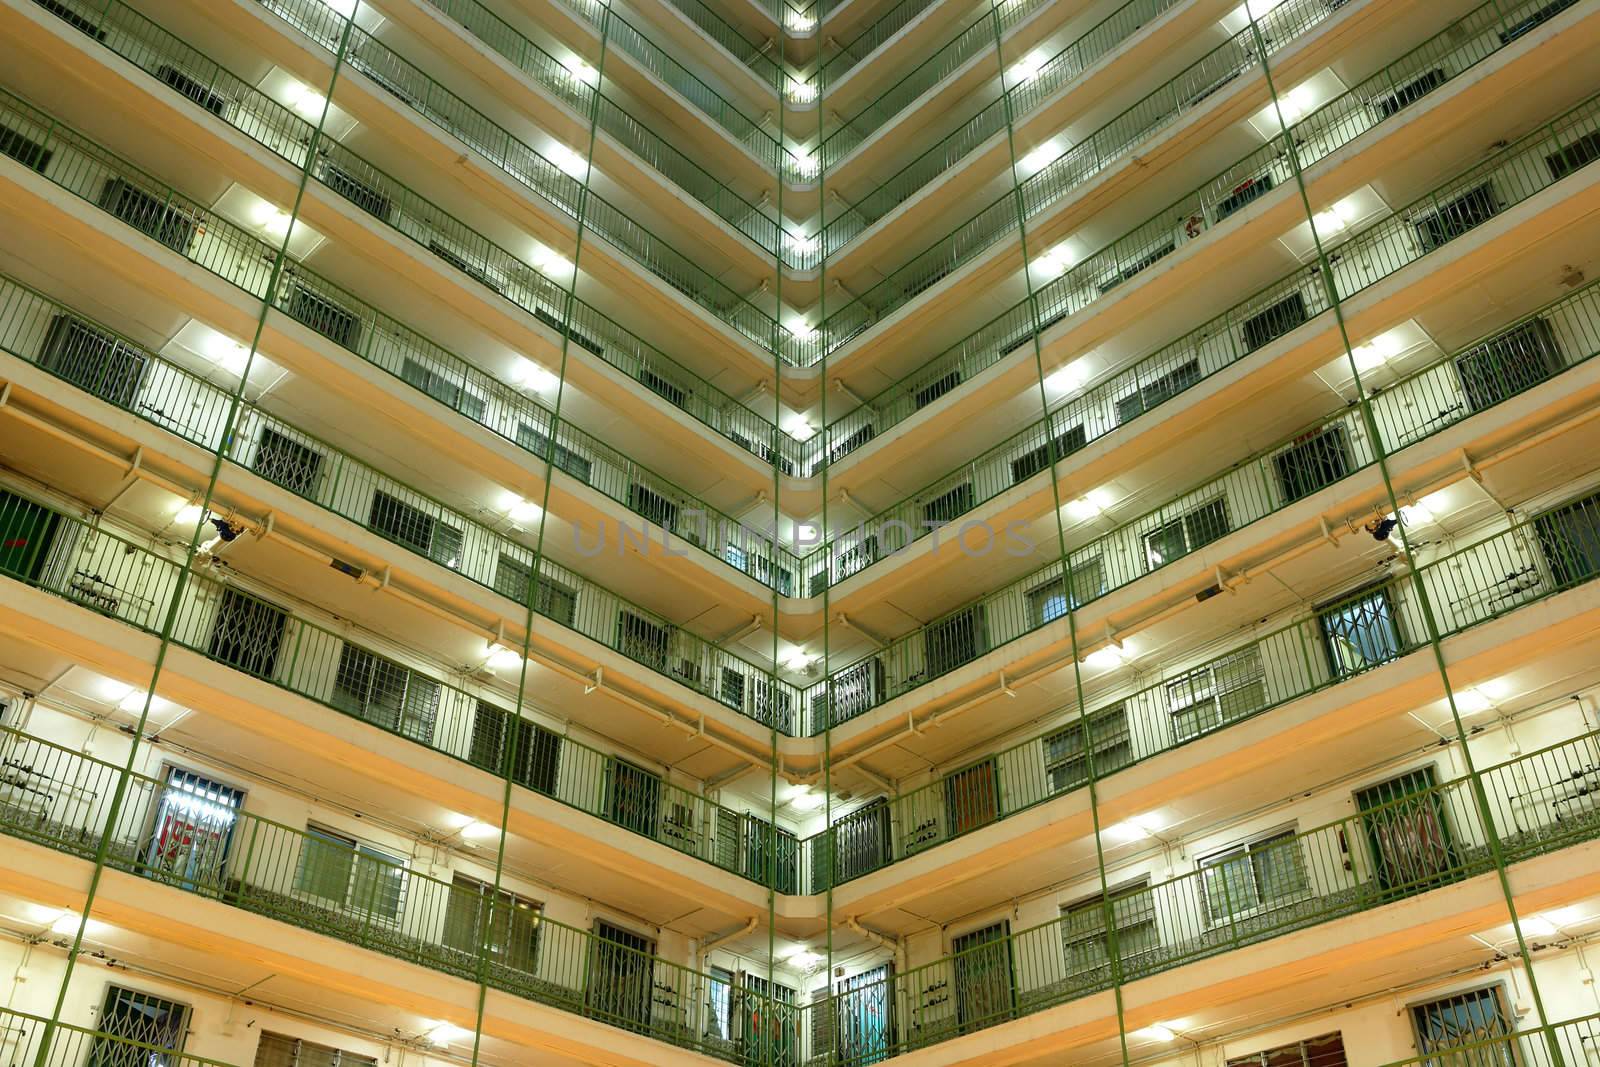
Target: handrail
224 249
36 1039
322 881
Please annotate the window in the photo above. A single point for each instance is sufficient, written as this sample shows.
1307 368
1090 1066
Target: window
451 394
719 1003
509 923
72 18
1158 391
856 689
345 873
634 797
1503 366
1066 763
155 215
93 360
952 641
1579 153
1465 1019
284 461
27 530
25 150
1361 632
386 694
460 263
355 190
1243 193
641 640
281 1050
1180 536
860 841
769 1023
551 599
1086 940
145 1018
1220 692
1273 322
1037 459
950 504
192 88
538 754
1047 602
1543 14
247 633
319 313
1253 875
1147 260
415 528
1569 538
864 1006
536 440
1324 1051
655 507
930 391
669 390
1409 93
1471 209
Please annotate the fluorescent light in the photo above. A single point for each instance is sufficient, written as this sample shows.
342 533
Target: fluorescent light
1089 505
1295 104
1470 701
550 262
346 8
1028 66
1159 1032
530 375
524 511
441 1034
1039 158
1055 261
1105 659
502 658
306 101
478 831
808 801
567 160
799 243
805 164
1068 378
188 515
1538 926
801 329
580 69
801 92
798 22
807 533
797 661
1378 351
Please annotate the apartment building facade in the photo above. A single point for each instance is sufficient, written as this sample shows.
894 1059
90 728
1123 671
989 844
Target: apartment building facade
705 531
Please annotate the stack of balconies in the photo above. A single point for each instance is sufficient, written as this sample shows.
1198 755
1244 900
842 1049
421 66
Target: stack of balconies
518 535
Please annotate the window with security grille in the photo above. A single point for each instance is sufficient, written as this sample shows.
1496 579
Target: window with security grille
642 640
1158 391
321 313
157 215
1066 752
386 694
1252 875
93 360
1177 537
1086 939
451 393
1217 693
133 1015
1326 1050
1569 538
1509 363
1465 1021
1311 462
192 833
282 1050
1361 631
955 640
1463 213
415 528
478 913
286 462
350 875
24 149
536 440
536 762
247 633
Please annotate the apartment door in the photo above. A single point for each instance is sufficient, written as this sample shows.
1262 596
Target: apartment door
26 531
861 841
159 1026
971 798
247 633
864 1008
985 985
192 830
770 1022
621 976
1360 631
1451 1031
1408 832
633 797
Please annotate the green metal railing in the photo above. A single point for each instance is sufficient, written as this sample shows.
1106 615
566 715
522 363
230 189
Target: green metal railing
235 255
1377 251
114 576
1096 42
386 199
1286 883
1379 97
752 54
415 88
320 882
35 1039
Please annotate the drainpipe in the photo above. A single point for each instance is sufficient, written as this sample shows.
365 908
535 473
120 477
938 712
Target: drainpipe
723 939
853 924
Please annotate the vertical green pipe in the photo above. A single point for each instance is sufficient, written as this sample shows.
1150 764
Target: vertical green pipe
773 1019
513 726
235 399
1480 797
1061 541
828 844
